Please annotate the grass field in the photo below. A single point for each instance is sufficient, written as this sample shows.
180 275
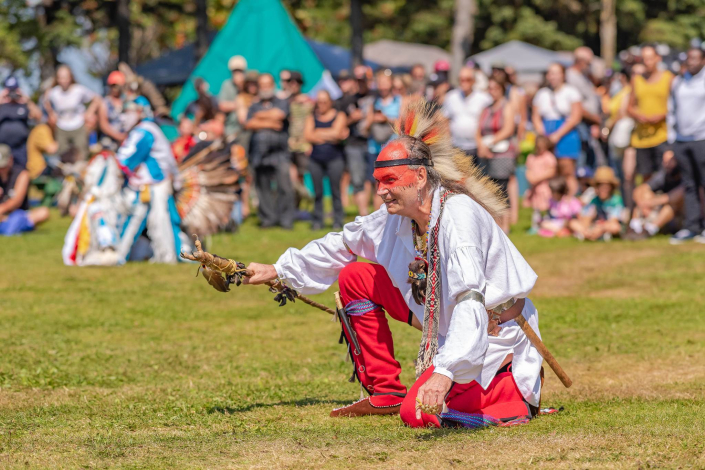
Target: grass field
144 366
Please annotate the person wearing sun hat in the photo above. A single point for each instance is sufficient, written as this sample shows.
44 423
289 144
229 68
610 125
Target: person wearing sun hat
601 218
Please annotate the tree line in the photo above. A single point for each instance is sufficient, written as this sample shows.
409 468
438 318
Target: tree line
38 29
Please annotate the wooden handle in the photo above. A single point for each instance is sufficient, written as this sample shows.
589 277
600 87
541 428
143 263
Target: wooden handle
277 285
543 350
338 302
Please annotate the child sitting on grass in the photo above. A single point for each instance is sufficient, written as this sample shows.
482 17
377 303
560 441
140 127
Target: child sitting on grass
540 168
600 220
562 210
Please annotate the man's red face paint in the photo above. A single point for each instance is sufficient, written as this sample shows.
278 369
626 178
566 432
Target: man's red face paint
394 177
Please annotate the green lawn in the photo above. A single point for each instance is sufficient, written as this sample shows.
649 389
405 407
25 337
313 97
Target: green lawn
145 366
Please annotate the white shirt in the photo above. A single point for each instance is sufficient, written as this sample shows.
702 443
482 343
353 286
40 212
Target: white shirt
685 108
556 105
475 255
464 114
70 105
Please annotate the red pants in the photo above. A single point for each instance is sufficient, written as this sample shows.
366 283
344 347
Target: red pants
378 371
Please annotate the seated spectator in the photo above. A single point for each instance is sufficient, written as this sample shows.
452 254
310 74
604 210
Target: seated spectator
66 104
562 209
658 202
540 169
601 219
40 144
16 110
15 216
325 129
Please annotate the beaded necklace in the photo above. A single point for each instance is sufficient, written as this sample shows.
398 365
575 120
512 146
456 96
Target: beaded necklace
420 241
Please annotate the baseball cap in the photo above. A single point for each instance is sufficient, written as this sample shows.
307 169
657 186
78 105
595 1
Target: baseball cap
296 77
116 77
344 75
237 62
11 83
5 155
441 66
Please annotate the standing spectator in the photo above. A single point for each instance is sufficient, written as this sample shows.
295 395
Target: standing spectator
419 81
205 106
300 107
16 110
227 96
517 99
15 216
540 169
268 118
601 218
110 111
355 102
325 129
619 125
687 115
463 107
648 105
439 82
383 112
578 75
496 147
284 91
245 99
556 112
66 106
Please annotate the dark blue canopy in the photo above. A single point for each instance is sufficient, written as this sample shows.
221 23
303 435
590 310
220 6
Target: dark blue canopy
335 58
174 66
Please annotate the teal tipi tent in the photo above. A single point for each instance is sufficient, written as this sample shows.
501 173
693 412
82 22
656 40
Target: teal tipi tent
263 33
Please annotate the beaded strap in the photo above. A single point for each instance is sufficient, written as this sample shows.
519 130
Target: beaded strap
429 340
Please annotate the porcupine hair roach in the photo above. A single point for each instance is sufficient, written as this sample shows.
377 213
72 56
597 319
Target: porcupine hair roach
426 136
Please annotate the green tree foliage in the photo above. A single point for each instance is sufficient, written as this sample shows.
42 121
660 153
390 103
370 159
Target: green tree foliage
158 24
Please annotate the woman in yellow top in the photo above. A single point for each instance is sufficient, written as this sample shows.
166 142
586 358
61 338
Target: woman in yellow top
648 105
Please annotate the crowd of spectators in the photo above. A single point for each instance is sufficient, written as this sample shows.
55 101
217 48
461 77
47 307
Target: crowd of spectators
616 154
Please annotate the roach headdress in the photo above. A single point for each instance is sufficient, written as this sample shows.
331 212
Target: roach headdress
425 122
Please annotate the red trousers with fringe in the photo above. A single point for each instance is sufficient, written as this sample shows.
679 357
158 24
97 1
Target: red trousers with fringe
378 370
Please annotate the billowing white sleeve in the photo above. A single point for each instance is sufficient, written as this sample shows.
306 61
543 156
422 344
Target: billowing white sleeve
315 267
463 354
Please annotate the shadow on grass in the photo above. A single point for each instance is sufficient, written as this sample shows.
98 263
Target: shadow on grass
253 406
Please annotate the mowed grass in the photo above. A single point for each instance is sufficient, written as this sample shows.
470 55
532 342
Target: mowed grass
144 366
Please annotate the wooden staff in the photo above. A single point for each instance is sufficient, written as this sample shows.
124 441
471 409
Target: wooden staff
543 350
